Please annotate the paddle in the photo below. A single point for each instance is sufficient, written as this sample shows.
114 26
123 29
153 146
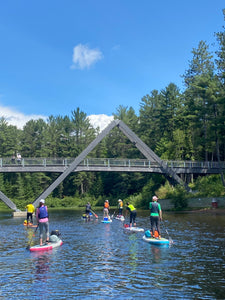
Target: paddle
171 241
28 246
96 216
112 216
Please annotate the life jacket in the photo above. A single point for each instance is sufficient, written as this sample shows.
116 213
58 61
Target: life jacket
155 208
43 212
131 207
121 204
106 205
30 208
88 207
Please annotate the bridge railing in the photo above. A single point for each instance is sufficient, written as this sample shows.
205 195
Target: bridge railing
106 162
195 164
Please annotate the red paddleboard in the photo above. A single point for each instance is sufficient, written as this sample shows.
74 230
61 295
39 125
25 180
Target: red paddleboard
47 246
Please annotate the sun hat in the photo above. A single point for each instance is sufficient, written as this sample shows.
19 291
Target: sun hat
154 198
42 201
119 200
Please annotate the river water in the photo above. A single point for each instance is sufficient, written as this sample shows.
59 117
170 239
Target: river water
102 261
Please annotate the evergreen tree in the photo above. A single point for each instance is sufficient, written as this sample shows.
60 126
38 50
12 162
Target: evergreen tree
197 103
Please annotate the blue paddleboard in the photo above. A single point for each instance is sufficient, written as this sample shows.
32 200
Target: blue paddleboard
106 221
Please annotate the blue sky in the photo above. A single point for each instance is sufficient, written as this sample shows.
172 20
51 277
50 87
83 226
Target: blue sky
96 54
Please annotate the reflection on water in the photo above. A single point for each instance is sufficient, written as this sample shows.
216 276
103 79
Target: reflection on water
155 253
102 261
41 262
133 251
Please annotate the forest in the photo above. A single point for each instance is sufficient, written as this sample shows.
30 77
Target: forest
184 125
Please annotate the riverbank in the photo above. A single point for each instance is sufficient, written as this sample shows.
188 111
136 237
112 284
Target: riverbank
196 203
203 205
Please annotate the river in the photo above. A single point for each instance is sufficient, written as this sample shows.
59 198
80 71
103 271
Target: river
103 261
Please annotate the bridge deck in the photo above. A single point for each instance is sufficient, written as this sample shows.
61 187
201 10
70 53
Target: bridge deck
59 165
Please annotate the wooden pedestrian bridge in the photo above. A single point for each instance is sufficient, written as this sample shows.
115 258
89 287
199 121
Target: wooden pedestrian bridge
59 165
65 166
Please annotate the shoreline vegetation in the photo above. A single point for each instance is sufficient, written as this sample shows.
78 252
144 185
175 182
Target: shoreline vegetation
167 205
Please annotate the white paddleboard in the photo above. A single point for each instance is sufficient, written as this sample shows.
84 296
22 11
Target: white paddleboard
134 229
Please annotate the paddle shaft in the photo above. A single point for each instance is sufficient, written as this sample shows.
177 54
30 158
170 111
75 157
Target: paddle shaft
113 214
96 216
166 230
35 229
28 246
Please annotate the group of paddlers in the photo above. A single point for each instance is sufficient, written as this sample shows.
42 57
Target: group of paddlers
155 214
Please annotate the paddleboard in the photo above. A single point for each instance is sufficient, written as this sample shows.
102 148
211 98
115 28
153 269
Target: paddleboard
29 225
106 221
156 241
134 229
119 217
47 246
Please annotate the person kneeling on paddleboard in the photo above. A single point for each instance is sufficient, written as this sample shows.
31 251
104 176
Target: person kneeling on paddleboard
133 213
155 216
42 220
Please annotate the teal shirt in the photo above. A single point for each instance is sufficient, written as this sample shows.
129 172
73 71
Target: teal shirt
154 209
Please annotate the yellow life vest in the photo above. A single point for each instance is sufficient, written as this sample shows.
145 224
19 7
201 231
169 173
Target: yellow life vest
131 207
30 208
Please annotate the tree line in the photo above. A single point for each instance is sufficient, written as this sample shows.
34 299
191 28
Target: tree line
175 124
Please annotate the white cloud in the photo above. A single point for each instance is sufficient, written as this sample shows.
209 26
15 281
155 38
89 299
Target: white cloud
19 119
100 121
84 57
16 118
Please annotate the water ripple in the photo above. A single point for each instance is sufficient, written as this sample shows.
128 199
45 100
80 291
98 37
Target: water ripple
102 261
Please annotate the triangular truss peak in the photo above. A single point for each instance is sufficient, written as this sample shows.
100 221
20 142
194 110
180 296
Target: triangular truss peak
144 149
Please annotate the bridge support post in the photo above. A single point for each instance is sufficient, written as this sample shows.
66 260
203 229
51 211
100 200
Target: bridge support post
8 202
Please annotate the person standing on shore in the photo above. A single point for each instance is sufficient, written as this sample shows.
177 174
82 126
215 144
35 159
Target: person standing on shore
155 216
42 220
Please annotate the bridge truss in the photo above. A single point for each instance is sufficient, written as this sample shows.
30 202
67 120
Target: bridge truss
168 171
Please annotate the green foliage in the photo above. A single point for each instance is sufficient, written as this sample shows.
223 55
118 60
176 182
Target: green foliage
136 200
208 186
178 197
165 190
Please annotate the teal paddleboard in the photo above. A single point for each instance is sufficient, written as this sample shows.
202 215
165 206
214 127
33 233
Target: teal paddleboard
156 241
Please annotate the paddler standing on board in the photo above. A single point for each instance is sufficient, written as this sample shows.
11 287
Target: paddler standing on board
30 210
88 211
133 214
155 216
120 206
106 210
42 220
